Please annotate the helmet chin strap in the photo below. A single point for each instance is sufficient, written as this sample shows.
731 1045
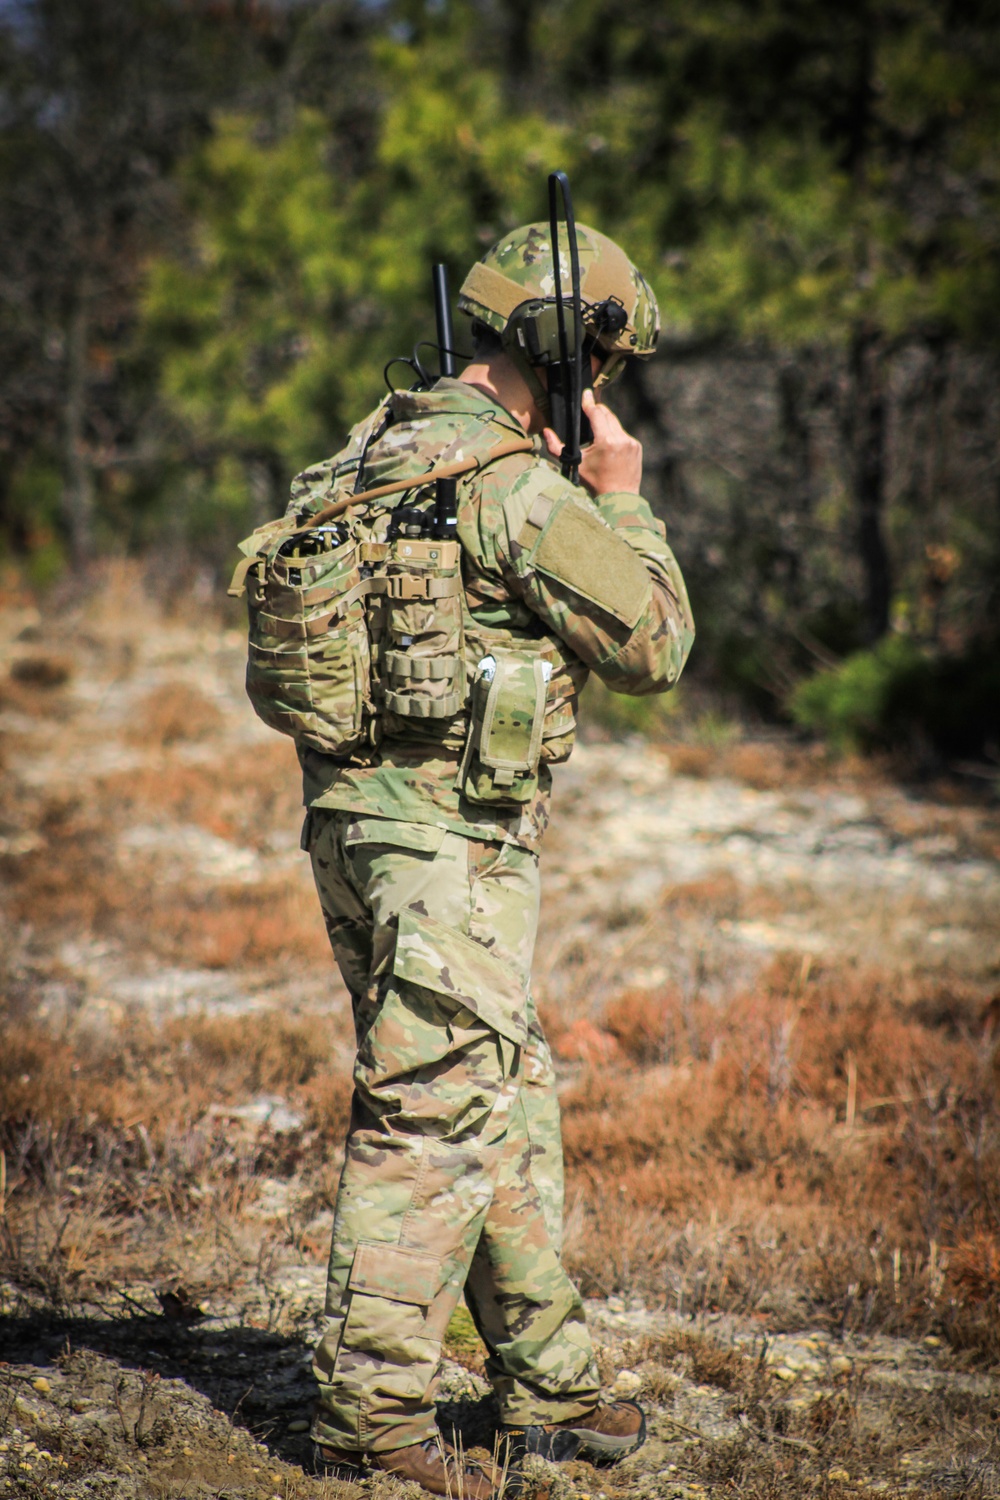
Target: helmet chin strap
532 379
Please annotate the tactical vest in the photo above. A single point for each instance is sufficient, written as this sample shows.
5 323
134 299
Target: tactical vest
361 634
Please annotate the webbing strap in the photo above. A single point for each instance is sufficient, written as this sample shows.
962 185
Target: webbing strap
423 708
416 586
420 668
238 582
359 591
534 521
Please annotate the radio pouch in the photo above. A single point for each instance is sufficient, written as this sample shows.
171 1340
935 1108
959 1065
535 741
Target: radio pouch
308 671
506 719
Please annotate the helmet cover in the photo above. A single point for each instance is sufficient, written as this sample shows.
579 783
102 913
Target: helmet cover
518 269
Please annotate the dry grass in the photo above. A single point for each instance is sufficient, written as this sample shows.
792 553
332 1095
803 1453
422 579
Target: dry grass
73 880
817 1144
825 1150
174 714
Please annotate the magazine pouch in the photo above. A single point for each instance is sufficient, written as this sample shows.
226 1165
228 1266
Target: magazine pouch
420 635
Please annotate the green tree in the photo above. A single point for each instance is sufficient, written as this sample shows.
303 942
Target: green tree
806 176
302 279
98 99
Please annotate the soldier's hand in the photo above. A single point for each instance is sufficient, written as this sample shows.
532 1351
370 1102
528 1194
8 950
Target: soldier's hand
613 461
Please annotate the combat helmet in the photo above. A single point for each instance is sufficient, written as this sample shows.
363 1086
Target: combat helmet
511 291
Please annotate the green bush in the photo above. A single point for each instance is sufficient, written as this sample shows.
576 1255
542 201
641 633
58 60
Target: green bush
898 695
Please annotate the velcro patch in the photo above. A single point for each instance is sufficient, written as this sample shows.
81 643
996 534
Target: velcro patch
576 548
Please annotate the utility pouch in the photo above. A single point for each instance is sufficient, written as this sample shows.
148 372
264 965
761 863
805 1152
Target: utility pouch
506 719
308 671
420 635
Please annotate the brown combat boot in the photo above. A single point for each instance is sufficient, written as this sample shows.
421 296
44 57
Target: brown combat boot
606 1435
433 1464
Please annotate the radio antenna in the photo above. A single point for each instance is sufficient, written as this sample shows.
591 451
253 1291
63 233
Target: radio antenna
445 523
570 360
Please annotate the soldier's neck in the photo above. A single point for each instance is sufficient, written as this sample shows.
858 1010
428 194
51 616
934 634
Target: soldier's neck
499 378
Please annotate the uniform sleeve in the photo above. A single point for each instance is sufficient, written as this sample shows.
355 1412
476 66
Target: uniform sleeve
601 576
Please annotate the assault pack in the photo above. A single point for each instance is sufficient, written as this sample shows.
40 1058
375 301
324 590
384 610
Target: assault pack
359 631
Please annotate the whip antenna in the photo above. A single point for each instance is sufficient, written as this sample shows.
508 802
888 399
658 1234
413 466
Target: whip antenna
570 361
442 311
445 523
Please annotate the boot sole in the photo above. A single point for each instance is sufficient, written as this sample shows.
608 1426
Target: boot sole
567 1443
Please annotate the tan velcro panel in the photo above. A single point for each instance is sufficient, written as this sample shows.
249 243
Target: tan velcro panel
497 292
577 548
609 275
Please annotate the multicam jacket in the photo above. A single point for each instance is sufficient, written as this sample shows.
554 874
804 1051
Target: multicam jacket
549 575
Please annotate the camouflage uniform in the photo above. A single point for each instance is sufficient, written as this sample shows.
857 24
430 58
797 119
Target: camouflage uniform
453 1171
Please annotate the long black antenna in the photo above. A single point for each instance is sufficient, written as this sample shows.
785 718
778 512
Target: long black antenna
442 310
445 490
572 367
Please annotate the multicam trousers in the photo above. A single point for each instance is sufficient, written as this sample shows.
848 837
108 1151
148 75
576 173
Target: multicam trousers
452 1177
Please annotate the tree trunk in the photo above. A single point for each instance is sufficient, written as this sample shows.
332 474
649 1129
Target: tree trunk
866 434
78 486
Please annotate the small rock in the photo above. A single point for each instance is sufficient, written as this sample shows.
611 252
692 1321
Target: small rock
838 1476
41 1385
299 1425
627 1383
785 1372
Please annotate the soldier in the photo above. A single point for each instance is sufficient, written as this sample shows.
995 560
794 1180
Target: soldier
425 854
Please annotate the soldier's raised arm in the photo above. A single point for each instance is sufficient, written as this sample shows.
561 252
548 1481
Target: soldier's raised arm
596 567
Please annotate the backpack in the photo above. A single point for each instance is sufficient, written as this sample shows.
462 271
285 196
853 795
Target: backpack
356 627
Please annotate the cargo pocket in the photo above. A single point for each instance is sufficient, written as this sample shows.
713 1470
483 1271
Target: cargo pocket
389 1318
435 956
445 1039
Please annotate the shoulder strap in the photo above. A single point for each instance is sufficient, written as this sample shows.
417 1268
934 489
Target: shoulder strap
445 471
347 502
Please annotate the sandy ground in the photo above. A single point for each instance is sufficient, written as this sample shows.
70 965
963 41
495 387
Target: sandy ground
123 1391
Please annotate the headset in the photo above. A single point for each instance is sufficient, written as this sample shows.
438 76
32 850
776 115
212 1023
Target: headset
537 329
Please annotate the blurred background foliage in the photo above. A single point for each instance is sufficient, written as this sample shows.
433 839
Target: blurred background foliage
218 219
